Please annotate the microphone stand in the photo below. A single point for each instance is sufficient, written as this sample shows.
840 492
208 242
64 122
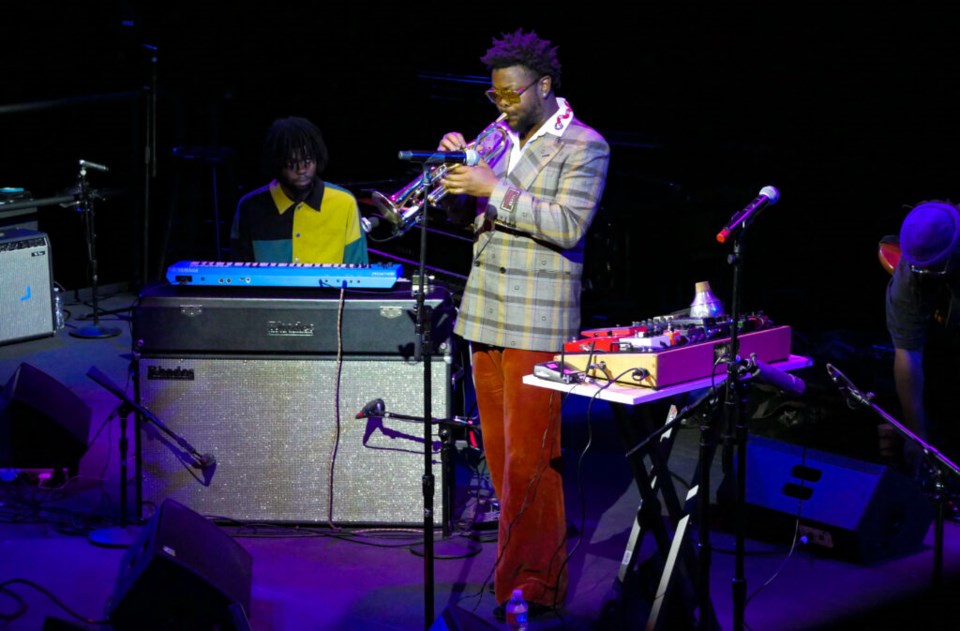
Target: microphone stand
735 434
149 161
84 204
424 353
940 463
123 536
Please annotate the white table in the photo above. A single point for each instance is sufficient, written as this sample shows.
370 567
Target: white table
635 395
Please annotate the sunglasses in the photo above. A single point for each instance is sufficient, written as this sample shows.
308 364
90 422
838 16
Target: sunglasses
509 96
942 268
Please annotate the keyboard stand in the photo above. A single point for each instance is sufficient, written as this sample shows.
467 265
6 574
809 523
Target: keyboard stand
674 603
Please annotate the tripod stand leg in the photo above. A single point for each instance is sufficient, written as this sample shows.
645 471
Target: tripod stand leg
654 621
629 554
679 577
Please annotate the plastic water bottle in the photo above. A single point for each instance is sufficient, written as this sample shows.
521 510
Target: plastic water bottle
516 612
58 309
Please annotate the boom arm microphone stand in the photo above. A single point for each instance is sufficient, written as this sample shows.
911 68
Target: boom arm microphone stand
206 463
377 409
940 463
734 414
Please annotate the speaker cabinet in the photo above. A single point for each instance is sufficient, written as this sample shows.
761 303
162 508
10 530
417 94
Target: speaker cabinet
43 424
26 286
287 443
855 509
182 572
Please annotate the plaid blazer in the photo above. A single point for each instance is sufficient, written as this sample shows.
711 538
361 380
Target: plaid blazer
523 290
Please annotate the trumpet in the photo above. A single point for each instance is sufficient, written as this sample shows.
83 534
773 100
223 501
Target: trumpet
404 208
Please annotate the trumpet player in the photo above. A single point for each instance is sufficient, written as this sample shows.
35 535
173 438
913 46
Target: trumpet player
534 205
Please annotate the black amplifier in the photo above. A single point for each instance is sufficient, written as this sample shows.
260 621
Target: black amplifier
178 320
15 209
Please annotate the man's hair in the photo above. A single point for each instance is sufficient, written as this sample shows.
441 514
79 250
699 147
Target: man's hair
524 49
292 137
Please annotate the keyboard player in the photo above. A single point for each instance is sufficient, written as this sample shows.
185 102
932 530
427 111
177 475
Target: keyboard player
297 217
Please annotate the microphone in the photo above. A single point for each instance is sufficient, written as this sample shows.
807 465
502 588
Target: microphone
847 386
468 157
784 381
93 165
375 408
768 197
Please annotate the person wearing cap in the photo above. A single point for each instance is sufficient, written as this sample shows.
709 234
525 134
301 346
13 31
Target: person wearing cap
923 319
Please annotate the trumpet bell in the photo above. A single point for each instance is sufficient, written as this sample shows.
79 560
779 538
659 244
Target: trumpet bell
402 215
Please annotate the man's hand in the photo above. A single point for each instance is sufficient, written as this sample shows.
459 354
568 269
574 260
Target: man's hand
452 141
478 181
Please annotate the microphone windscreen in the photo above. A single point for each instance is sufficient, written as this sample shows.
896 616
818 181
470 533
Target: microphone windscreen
771 193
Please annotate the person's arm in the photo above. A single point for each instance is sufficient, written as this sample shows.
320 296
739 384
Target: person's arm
355 247
561 219
579 170
241 246
908 376
355 252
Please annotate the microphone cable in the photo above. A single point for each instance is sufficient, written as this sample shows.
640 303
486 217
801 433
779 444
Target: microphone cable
336 405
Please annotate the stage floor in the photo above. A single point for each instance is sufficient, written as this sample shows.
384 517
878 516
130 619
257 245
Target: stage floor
318 577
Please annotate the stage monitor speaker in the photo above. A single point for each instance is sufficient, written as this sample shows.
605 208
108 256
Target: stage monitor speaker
26 286
182 572
271 423
43 424
854 509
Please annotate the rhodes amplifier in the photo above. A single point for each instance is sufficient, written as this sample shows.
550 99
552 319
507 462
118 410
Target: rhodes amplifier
233 320
26 285
252 377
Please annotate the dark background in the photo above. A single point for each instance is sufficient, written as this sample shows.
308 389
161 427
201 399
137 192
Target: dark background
850 113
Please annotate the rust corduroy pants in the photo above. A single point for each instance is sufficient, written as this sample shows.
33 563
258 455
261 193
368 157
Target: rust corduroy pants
521 442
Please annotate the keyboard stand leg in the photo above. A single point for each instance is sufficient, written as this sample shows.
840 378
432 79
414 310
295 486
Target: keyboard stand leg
654 483
676 579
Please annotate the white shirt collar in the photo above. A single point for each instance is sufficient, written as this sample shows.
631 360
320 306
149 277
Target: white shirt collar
555 125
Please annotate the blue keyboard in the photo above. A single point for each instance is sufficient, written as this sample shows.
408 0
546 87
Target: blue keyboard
223 274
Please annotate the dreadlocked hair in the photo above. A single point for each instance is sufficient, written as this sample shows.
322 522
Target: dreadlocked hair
289 138
524 49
